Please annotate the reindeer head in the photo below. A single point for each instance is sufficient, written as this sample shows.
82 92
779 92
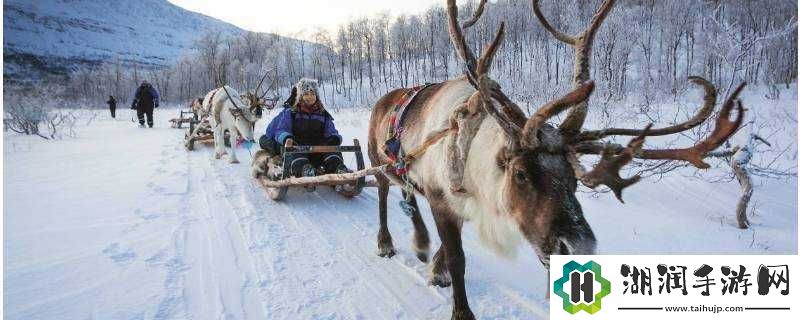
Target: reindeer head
539 162
256 103
244 119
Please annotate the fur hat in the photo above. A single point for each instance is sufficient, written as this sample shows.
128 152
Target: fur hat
306 85
302 86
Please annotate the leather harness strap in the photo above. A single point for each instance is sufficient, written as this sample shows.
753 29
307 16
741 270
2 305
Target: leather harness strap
399 160
392 147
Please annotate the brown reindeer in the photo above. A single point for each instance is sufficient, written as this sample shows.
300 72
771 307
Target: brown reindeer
514 176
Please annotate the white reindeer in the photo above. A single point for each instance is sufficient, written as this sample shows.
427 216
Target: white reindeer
231 114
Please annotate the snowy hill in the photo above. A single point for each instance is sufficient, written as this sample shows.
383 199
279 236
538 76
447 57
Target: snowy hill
55 36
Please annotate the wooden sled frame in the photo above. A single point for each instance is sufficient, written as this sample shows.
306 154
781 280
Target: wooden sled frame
276 189
204 134
178 122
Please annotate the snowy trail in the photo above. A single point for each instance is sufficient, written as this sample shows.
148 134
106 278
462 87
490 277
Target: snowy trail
146 230
316 261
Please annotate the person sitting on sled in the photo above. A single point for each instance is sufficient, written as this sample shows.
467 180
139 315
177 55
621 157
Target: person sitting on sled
305 121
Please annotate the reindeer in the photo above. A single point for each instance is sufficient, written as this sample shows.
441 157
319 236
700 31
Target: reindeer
519 174
228 116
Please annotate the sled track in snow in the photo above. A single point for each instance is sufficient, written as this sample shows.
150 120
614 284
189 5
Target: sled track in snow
315 245
312 255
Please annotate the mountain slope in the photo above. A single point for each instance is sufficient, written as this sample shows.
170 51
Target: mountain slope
57 36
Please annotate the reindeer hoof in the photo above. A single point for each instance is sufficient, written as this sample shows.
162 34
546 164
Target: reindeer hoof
422 256
440 280
234 161
386 252
385 246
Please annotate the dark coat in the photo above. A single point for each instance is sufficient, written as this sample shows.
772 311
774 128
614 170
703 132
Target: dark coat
145 98
112 103
315 128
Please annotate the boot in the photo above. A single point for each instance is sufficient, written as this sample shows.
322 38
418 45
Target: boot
341 168
308 171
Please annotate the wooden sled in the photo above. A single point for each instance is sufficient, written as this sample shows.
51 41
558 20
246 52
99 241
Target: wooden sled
200 131
352 183
183 117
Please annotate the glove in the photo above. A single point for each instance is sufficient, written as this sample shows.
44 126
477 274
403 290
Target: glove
289 138
333 141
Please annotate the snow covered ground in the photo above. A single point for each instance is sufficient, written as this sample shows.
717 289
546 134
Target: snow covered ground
124 223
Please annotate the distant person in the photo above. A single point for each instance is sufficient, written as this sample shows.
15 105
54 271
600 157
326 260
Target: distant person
112 106
144 101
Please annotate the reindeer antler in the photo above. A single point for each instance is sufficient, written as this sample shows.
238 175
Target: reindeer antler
582 44
272 82
552 108
701 116
614 156
477 71
611 161
260 82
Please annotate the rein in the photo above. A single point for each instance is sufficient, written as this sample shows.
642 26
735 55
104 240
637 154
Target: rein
431 140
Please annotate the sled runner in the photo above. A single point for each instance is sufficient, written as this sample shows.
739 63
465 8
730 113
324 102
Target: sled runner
273 174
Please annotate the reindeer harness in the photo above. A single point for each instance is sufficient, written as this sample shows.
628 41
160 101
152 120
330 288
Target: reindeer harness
398 158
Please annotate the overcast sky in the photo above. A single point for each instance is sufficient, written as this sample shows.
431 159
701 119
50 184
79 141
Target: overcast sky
289 17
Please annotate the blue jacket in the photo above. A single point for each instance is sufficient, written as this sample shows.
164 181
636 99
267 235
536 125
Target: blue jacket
145 97
304 128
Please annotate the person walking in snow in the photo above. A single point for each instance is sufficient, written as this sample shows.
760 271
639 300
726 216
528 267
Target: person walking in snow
145 99
305 121
112 106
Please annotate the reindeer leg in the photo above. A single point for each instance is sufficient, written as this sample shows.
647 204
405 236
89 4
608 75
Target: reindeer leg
421 242
234 136
439 275
219 145
449 227
385 246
